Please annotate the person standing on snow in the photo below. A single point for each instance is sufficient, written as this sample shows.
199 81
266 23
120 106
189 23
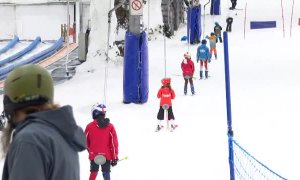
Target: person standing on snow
229 21
41 140
101 140
188 70
203 56
213 44
233 4
166 94
217 31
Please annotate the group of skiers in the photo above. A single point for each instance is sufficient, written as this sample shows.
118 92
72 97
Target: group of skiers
166 93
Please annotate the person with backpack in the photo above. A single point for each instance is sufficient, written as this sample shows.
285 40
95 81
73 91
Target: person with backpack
188 69
217 31
203 56
102 140
41 140
166 94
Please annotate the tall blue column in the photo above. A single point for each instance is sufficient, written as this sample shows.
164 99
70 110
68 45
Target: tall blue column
215 8
228 106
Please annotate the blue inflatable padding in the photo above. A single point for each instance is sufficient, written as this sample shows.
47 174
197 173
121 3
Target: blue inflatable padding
215 7
194 29
10 44
46 53
31 60
19 54
144 70
262 24
135 77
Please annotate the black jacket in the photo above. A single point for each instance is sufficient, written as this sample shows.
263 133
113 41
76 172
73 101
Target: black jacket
229 20
45 147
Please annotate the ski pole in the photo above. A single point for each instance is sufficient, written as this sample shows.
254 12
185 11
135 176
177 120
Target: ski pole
124 158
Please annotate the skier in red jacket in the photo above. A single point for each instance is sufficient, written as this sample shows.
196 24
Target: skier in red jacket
101 140
166 94
188 70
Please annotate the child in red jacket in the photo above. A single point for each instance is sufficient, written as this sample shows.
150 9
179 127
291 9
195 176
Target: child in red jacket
166 94
101 140
188 70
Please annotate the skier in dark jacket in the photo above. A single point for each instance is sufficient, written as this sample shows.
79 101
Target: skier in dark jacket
45 138
229 21
233 4
217 31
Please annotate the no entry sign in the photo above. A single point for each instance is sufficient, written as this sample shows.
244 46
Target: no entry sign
136 7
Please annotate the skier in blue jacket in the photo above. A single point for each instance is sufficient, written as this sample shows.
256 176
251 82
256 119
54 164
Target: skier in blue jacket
203 55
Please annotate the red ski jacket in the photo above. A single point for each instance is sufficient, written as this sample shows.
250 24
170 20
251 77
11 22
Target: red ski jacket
101 141
188 68
166 95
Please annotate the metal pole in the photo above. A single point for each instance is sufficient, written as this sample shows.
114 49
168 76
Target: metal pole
148 18
204 18
107 46
189 26
68 34
245 21
15 19
292 19
165 55
228 105
282 19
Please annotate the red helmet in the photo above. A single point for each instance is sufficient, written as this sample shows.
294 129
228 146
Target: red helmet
166 81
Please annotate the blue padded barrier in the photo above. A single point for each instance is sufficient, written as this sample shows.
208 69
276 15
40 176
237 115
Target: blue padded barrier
262 24
46 53
19 54
194 29
135 74
144 70
10 44
215 7
31 60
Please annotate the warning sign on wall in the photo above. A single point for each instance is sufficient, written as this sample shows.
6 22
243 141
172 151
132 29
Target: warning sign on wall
136 7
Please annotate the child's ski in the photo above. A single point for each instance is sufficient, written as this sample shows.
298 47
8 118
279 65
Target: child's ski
173 127
159 128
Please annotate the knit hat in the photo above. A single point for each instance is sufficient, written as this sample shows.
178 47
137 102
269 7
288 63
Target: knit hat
187 55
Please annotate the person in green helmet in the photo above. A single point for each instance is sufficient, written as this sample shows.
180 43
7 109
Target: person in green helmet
41 140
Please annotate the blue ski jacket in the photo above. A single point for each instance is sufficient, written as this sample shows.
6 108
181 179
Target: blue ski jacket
203 53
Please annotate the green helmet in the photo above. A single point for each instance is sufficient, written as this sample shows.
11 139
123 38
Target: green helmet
27 85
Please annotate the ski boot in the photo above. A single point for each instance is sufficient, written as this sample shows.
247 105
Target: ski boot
206 74
193 90
201 75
